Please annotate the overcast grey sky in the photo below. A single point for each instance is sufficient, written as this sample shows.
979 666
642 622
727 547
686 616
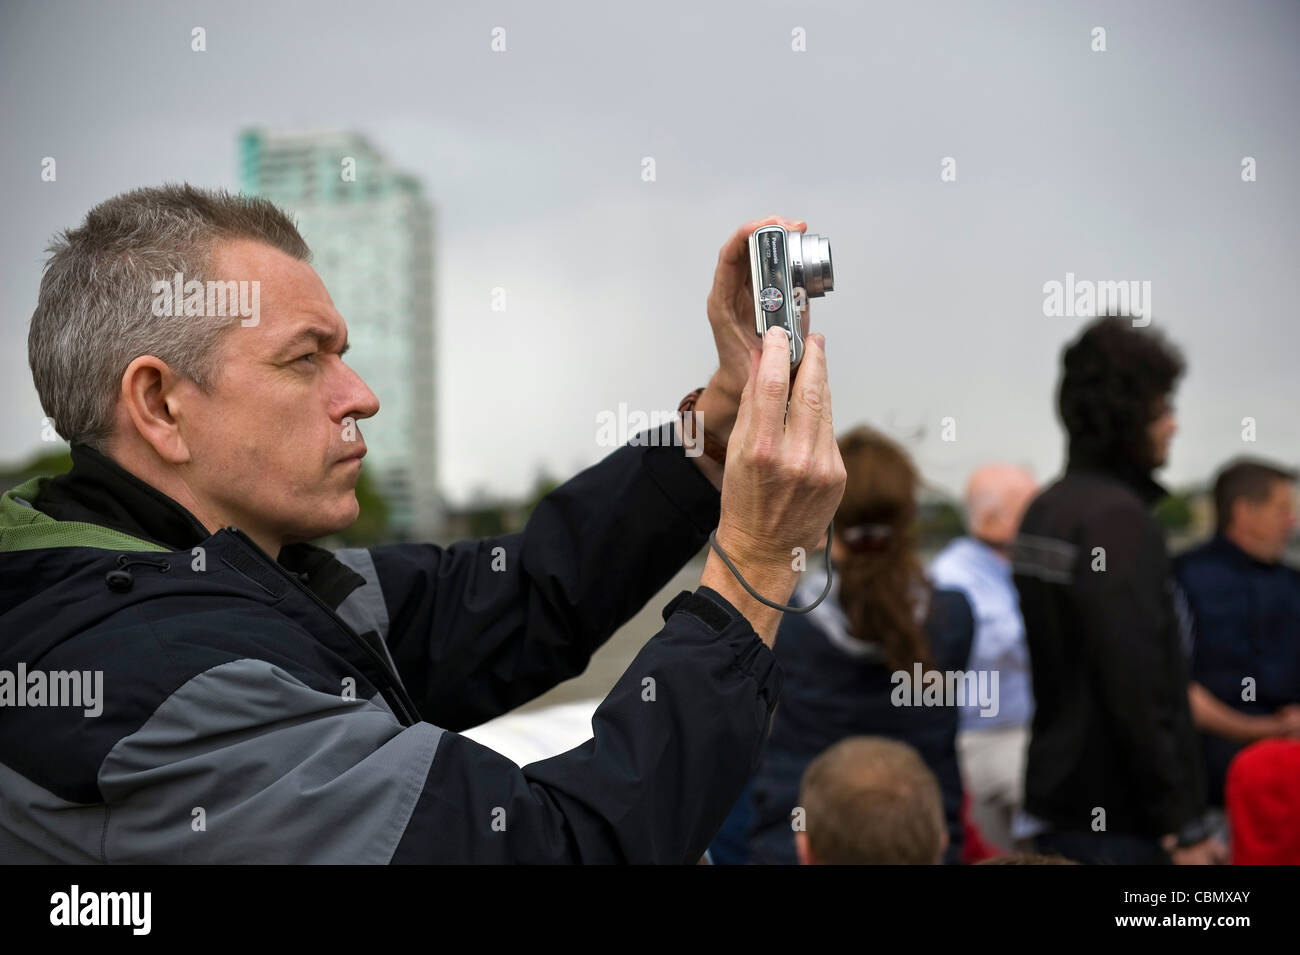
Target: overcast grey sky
1115 165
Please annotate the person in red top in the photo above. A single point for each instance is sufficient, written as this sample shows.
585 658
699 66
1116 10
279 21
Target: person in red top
1262 795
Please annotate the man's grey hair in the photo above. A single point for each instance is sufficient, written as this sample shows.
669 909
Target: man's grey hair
95 312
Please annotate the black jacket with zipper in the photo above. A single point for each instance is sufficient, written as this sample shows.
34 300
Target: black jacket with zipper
307 709
1112 728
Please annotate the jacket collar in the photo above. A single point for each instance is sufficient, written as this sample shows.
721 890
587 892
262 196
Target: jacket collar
1136 479
100 491
1221 545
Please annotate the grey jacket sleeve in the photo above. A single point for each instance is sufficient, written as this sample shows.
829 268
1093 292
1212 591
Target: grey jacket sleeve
246 763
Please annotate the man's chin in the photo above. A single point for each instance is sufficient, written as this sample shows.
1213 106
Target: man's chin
1159 459
321 525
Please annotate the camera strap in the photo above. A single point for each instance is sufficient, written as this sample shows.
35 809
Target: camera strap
830 575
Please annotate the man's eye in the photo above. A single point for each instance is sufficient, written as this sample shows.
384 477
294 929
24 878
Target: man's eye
308 357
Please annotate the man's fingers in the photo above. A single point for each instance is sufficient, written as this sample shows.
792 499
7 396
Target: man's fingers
805 316
828 419
809 412
736 249
733 259
770 390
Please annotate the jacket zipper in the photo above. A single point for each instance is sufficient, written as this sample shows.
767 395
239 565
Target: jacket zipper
401 697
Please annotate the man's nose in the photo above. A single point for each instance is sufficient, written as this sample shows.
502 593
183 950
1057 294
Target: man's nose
361 401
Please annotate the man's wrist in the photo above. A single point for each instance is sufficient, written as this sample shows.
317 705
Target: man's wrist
774 584
717 408
711 470
1193 833
702 444
1272 725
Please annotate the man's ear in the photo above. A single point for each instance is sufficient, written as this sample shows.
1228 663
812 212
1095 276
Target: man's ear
802 849
1239 512
152 396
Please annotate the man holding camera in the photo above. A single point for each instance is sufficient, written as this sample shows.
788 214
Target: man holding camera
269 701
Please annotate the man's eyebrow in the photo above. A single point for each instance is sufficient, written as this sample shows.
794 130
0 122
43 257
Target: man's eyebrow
312 334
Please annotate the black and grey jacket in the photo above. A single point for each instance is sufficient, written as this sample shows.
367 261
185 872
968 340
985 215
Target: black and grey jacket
307 709
1112 727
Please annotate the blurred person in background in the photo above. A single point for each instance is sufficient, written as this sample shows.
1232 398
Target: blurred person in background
1262 795
1114 772
1244 617
991 747
870 801
881 616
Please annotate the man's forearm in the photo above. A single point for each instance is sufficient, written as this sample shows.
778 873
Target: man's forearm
480 627
1212 715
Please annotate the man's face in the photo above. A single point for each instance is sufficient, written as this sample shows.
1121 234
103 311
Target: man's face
270 444
1268 523
1161 431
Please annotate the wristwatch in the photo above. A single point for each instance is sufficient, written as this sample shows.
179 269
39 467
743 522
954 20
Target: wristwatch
1195 832
714 448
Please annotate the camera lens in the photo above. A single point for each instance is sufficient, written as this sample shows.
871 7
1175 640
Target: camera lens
810 262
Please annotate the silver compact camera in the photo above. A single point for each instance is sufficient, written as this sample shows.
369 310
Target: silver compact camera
787 267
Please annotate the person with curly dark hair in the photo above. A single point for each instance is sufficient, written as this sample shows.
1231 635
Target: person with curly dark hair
1114 771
